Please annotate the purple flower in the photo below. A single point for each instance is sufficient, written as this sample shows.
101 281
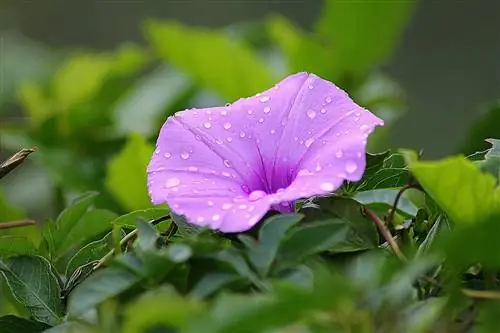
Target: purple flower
225 167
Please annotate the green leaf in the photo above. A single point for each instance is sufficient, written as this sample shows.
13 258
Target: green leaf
90 252
272 232
484 126
40 295
385 198
211 58
491 162
13 324
126 174
378 24
129 220
458 187
148 237
102 285
11 245
161 308
339 226
212 282
92 223
55 233
70 327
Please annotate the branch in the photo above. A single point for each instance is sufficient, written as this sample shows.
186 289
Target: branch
16 224
14 161
385 233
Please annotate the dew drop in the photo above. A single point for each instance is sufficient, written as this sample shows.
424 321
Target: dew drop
207 125
200 219
303 172
264 99
350 167
167 155
242 134
226 174
227 163
339 154
328 100
224 112
245 188
323 111
363 127
216 217
197 137
318 167
272 131
226 206
229 139
309 142
311 113
219 141
227 125
327 186
250 111
185 155
210 203
172 182
261 120
242 206
256 195
193 168
311 87
267 109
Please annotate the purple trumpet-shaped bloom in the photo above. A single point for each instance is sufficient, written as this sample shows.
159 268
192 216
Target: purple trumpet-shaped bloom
225 167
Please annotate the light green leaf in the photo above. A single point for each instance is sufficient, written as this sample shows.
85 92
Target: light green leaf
378 24
211 58
160 308
126 174
34 285
92 251
385 198
466 194
101 286
10 245
129 220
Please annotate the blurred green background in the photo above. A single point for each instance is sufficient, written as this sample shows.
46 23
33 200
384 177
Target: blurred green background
90 82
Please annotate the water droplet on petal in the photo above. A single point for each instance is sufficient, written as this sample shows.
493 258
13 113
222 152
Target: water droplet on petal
272 131
242 206
363 127
224 112
227 125
210 203
303 172
311 113
267 109
323 111
250 111
197 137
350 167
200 219
227 163
328 100
172 182
216 217
184 155
339 154
208 112
167 155
318 167
256 195
264 99
207 125
242 134
226 206
309 142
327 186
219 141
193 168
311 87
229 139
261 120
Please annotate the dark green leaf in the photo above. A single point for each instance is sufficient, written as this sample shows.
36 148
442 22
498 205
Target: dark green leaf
385 198
91 252
99 287
11 245
129 220
33 284
485 126
212 282
13 324
263 252
148 236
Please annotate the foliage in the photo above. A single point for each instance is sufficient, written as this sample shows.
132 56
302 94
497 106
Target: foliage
412 247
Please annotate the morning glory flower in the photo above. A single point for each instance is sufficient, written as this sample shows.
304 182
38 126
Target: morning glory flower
225 167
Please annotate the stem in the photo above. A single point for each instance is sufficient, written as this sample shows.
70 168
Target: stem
484 294
390 217
386 234
125 240
14 161
16 224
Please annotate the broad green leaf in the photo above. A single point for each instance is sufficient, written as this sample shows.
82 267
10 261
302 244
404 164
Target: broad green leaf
126 174
272 232
11 245
211 58
148 237
339 226
212 282
55 233
129 220
466 194
90 252
378 24
385 198
491 162
102 285
162 308
13 324
40 295
92 223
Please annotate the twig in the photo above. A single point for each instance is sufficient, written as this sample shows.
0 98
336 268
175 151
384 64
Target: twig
483 294
394 207
14 161
16 224
385 233
125 240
